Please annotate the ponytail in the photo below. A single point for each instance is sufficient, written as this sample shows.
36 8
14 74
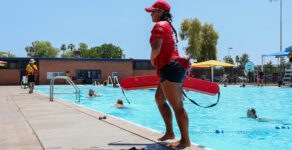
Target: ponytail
168 17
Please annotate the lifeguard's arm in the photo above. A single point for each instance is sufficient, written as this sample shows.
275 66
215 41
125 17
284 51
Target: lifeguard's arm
36 71
157 43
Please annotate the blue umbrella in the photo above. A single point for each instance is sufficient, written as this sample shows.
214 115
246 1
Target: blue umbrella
288 49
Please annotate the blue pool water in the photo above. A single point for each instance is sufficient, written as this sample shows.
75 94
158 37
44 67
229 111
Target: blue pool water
229 115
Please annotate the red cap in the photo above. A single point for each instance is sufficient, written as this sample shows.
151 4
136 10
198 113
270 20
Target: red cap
159 4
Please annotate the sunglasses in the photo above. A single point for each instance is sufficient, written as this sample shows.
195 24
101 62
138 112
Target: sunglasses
152 11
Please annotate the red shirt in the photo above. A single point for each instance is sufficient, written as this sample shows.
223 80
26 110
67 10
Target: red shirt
168 52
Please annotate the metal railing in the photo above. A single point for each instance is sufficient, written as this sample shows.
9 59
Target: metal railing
109 78
116 79
77 90
287 77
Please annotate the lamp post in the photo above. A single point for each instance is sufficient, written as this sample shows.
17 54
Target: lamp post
280 25
229 48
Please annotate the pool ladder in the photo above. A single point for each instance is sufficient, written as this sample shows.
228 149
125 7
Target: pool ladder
113 80
77 90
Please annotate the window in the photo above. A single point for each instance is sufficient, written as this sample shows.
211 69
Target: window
88 74
142 65
50 75
23 64
11 64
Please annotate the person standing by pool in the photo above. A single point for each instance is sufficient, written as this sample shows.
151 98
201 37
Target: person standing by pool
171 70
260 77
30 72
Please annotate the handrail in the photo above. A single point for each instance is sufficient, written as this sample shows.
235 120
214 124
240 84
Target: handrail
70 82
116 79
109 78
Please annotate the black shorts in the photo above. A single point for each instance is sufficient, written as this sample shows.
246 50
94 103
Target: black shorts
290 59
31 78
173 72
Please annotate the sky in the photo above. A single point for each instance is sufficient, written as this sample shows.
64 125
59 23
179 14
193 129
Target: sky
248 26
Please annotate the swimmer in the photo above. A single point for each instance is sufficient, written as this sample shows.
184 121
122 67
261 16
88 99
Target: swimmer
91 94
242 85
251 113
119 104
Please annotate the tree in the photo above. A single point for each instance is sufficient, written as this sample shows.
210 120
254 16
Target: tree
67 54
243 60
41 49
208 43
228 59
202 40
237 60
269 68
8 53
84 51
63 48
71 47
190 30
110 51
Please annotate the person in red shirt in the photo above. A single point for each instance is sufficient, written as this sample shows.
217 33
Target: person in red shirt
171 70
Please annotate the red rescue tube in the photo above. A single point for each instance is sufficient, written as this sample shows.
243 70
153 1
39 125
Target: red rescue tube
201 86
140 82
151 81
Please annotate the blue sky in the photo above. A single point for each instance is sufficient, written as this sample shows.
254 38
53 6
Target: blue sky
248 26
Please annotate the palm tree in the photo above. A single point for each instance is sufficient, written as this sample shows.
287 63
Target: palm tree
237 60
63 48
71 47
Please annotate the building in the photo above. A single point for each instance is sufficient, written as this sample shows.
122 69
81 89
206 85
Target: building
81 70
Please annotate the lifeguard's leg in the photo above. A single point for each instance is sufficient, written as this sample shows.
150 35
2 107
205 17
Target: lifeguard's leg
32 87
165 112
173 93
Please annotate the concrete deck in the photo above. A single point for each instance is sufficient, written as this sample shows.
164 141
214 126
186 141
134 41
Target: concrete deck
32 122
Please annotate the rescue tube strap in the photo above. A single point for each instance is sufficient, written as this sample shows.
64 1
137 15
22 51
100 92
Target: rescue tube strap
200 105
125 96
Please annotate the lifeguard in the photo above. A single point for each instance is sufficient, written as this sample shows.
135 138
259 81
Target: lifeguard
30 72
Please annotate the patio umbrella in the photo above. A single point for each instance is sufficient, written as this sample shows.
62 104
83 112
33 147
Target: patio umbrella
3 62
288 49
212 63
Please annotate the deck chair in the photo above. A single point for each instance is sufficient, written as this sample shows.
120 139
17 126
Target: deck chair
24 82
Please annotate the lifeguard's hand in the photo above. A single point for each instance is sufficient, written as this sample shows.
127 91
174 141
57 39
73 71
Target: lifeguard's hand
152 61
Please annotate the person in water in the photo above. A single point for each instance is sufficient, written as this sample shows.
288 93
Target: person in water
119 104
251 113
171 70
91 94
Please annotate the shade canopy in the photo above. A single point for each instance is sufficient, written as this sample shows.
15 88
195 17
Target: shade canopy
278 54
3 62
211 63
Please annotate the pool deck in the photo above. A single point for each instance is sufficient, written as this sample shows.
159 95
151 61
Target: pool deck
32 122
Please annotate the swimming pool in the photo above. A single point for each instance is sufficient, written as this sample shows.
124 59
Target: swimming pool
229 115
